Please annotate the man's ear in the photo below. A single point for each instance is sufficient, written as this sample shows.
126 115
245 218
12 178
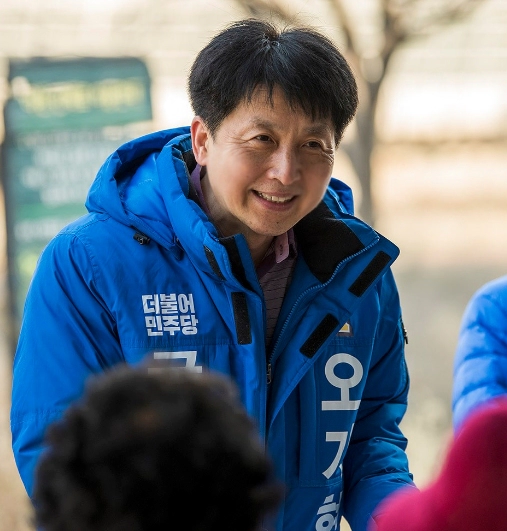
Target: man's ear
200 138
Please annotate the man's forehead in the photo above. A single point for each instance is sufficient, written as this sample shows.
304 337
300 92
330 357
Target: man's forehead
262 100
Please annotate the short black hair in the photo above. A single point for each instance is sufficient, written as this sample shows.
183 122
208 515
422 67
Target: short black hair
144 451
250 54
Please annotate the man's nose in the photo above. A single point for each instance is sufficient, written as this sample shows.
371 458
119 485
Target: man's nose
285 166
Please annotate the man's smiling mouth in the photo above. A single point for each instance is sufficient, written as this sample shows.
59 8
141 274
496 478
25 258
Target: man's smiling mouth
274 198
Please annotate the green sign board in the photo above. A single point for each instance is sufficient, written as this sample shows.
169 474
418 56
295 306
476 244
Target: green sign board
61 122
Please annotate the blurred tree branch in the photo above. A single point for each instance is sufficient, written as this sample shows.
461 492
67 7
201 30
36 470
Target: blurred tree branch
400 21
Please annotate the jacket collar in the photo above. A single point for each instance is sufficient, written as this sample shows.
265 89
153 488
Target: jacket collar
326 237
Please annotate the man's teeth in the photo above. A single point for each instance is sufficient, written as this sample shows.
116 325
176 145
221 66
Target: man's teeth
274 198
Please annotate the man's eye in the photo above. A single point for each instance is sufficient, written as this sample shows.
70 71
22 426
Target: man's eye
263 138
313 144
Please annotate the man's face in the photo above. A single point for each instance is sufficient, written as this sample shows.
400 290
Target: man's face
266 167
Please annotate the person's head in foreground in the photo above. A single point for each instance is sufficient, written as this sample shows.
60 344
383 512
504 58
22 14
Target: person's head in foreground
470 492
148 451
271 107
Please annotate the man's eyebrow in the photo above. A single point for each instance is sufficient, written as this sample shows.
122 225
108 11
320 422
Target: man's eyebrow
319 129
259 122
314 129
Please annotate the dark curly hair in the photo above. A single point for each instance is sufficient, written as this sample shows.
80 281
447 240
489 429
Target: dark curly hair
150 450
250 54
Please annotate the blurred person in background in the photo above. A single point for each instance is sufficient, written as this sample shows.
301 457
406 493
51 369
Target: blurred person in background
226 245
480 364
147 451
470 491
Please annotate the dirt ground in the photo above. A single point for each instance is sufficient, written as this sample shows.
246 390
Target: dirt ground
14 509
452 239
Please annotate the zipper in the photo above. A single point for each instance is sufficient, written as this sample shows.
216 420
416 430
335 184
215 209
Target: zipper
269 369
269 364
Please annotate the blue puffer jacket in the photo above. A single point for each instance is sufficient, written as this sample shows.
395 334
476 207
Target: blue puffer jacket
145 274
480 365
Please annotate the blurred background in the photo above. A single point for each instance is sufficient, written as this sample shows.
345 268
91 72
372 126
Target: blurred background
426 156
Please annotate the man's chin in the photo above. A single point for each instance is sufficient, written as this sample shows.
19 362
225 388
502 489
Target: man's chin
270 231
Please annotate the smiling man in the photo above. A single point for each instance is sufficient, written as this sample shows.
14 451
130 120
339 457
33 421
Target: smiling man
267 166
228 247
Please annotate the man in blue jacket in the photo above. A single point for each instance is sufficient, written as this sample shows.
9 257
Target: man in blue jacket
480 363
227 246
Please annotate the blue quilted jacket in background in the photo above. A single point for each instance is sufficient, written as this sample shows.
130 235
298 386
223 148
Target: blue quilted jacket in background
480 365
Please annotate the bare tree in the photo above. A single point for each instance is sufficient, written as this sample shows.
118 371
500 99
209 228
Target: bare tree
400 21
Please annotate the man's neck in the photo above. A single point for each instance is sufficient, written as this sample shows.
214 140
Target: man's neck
257 243
258 247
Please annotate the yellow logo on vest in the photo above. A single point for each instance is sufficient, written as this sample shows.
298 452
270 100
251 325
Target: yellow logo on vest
345 330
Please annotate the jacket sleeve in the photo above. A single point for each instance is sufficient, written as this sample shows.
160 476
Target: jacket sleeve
67 334
375 464
480 363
